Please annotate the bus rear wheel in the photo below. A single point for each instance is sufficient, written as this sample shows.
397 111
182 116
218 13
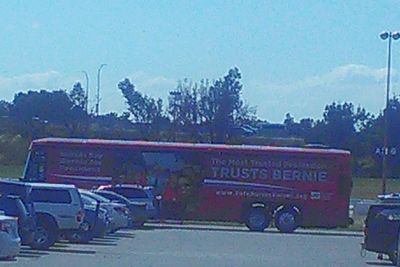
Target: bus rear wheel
258 219
287 220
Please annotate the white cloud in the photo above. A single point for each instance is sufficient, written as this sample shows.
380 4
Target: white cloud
359 84
9 85
348 74
155 86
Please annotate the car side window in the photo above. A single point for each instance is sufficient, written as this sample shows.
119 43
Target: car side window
51 196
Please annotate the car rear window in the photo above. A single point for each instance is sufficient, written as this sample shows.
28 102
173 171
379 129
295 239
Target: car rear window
51 195
131 192
376 211
391 214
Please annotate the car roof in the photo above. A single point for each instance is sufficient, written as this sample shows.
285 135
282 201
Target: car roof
52 186
127 186
7 218
106 192
11 181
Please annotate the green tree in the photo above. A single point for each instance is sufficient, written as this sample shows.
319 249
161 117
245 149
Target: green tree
340 125
78 96
183 104
221 106
144 109
36 109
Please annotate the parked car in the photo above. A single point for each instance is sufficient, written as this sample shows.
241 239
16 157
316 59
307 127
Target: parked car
88 232
22 190
381 231
59 211
136 193
137 209
13 206
119 213
96 220
10 243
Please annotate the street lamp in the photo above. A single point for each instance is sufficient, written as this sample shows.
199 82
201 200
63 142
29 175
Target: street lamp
98 89
387 36
87 91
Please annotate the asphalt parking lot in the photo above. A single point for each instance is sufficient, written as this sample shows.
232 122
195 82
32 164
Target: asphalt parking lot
165 245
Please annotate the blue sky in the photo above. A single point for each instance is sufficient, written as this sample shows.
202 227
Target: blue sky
295 56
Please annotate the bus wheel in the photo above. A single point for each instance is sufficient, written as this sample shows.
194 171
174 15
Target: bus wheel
258 219
287 220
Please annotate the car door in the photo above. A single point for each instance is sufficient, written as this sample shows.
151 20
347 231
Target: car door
59 203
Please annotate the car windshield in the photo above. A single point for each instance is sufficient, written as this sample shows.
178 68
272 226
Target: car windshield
88 200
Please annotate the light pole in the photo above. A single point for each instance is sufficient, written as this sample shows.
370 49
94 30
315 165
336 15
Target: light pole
87 91
387 36
98 89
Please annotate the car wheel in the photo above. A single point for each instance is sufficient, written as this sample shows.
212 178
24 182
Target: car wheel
79 237
286 220
45 236
113 231
258 219
138 224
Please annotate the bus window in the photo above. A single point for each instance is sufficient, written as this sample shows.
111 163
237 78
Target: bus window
128 167
36 166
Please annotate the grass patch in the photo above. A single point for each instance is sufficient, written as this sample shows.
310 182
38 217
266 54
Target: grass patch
11 171
369 188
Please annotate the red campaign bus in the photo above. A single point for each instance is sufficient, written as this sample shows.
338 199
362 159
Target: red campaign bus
251 184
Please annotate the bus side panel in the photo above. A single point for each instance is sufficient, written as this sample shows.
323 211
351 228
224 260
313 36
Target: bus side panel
228 182
310 183
82 166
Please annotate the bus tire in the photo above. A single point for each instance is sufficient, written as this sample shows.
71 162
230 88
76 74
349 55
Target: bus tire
258 219
287 219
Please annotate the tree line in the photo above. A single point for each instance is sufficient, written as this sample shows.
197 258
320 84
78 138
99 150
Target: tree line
204 111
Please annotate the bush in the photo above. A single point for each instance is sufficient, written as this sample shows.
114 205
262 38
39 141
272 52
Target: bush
13 149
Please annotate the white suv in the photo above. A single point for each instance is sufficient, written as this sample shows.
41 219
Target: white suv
59 210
